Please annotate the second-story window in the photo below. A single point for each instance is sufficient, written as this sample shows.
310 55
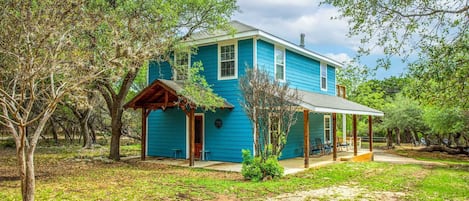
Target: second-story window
323 76
181 66
227 66
279 63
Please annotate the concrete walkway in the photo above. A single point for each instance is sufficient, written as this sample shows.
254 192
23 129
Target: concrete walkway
381 156
291 166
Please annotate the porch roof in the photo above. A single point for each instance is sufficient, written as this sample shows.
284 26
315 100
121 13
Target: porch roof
322 103
162 94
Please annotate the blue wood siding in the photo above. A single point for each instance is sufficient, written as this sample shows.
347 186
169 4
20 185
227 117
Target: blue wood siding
265 56
301 72
166 131
295 140
331 88
226 143
161 70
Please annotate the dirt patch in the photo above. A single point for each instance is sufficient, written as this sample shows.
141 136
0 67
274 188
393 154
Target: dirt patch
340 193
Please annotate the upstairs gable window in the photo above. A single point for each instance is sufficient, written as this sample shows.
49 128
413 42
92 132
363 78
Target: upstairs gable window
323 76
181 66
279 63
227 61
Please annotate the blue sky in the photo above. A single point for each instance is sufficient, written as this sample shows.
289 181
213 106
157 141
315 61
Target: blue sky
287 19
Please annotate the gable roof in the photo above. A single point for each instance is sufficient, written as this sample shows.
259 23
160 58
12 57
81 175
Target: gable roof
162 94
245 31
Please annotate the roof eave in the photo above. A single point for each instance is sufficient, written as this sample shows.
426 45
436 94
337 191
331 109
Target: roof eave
269 37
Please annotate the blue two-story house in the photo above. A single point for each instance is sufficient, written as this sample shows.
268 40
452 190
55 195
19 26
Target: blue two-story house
171 130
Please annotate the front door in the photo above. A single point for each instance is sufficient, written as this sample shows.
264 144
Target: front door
199 136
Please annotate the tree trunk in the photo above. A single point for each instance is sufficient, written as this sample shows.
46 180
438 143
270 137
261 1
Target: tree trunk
114 102
87 141
389 138
54 131
398 136
116 129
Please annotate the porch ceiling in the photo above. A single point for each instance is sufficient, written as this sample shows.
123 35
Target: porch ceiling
333 104
162 94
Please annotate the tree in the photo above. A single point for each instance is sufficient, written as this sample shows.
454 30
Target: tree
436 32
441 76
42 59
134 32
449 123
271 107
404 114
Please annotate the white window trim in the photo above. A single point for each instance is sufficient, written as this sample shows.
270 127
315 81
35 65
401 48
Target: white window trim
330 128
284 63
235 43
320 76
175 74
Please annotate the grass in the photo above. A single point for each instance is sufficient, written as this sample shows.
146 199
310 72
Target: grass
71 173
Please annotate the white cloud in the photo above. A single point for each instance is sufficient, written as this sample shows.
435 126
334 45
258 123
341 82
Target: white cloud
340 57
287 19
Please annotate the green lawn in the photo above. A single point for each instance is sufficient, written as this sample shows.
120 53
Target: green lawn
70 173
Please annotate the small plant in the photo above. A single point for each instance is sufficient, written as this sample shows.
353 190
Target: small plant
256 170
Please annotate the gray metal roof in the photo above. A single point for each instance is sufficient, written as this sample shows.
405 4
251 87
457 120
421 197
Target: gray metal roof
333 104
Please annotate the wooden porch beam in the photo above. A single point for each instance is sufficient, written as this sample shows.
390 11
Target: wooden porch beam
306 136
144 134
191 136
334 136
370 132
166 99
354 131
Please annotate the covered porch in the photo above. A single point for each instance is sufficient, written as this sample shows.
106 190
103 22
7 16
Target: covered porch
291 166
162 95
334 105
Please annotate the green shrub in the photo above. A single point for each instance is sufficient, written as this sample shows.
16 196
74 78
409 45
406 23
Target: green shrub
8 143
256 170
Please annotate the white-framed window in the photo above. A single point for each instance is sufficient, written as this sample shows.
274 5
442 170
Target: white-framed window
181 66
323 76
327 129
227 61
279 63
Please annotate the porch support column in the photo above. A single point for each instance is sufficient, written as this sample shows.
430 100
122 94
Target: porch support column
191 137
354 134
344 128
143 147
306 136
334 136
370 132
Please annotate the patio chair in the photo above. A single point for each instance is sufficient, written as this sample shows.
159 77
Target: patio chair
313 148
326 149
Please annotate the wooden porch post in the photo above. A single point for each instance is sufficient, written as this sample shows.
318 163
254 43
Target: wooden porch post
191 137
354 134
143 147
370 132
334 136
306 136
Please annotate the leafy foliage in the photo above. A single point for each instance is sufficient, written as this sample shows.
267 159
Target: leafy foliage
401 27
254 169
199 91
270 105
